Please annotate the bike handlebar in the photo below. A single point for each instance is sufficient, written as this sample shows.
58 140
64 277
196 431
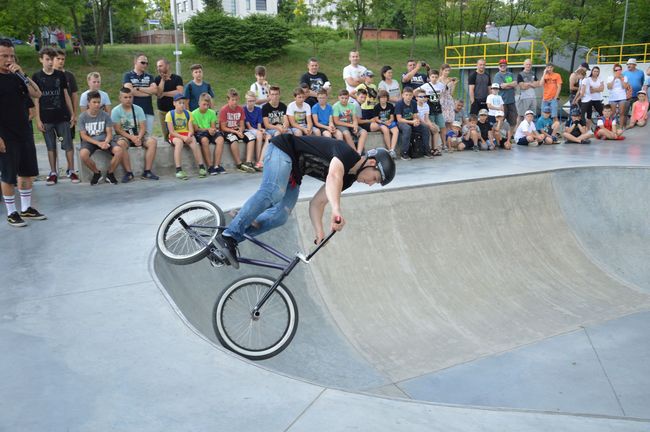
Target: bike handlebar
320 245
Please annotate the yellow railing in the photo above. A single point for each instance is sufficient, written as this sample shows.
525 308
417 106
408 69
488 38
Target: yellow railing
611 54
465 56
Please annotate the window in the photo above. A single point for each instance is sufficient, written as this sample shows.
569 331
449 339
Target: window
260 5
191 4
248 4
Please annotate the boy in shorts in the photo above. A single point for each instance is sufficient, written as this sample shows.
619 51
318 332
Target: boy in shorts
575 130
502 131
18 162
55 114
130 124
299 115
486 139
274 114
232 122
96 131
471 134
526 133
384 121
205 121
454 137
255 128
181 133
346 120
322 116
547 127
606 126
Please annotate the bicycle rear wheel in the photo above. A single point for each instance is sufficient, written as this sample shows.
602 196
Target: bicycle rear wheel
177 244
255 337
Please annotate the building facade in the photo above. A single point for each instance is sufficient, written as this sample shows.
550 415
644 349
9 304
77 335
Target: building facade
238 8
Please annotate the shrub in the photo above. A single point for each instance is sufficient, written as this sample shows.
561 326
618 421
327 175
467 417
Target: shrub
251 39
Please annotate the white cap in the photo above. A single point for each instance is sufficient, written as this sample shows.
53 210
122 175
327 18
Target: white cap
498 114
495 86
456 124
483 112
529 112
631 61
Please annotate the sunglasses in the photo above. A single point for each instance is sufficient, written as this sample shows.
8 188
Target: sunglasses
617 70
422 97
144 63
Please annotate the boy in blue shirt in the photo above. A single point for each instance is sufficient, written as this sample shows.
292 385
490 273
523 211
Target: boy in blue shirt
547 127
322 116
196 87
255 128
406 112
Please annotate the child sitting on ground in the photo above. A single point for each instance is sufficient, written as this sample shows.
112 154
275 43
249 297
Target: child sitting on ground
502 131
526 133
547 127
454 138
607 127
575 130
639 111
181 133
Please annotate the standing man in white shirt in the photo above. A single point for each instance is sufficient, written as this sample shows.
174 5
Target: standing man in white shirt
353 75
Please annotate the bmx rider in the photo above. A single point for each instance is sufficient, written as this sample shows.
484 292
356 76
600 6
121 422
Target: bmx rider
289 158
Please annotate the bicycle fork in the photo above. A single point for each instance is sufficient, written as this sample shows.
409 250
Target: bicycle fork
255 313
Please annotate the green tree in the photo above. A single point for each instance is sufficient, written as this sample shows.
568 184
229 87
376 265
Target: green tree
161 10
213 5
353 14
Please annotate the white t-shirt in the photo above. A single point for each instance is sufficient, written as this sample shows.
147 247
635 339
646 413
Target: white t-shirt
261 91
392 88
299 114
83 99
352 72
496 100
524 128
423 111
589 96
617 92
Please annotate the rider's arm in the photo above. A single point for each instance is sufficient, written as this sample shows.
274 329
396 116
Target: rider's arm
316 210
333 188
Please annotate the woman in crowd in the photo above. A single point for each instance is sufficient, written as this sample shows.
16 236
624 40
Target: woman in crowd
618 88
590 95
389 84
447 97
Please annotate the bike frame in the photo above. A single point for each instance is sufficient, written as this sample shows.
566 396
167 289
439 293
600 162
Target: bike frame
286 267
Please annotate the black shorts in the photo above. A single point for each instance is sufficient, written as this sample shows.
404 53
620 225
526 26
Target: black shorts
365 126
211 138
19 160
231 138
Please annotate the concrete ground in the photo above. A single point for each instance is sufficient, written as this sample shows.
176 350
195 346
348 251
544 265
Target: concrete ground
510 303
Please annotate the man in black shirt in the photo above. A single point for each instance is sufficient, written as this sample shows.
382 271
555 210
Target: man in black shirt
412 77
73 92
479 84
289 158
315 81
172 85
55 112
18 163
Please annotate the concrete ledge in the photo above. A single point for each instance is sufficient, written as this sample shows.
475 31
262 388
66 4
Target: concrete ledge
164 163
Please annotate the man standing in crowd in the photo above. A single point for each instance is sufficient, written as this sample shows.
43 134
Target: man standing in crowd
55 113
168 85
315 81
507 85
353 75
412 77
479 87
143 86
527 81
635 79
18 163
574 81
552 82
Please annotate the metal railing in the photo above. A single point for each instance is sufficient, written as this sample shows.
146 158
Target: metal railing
466 56
610 54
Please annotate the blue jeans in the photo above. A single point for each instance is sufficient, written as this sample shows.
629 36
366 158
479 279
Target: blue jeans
271 205
405 132
552 104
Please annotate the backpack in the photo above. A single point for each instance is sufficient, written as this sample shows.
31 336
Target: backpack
416 149
187 116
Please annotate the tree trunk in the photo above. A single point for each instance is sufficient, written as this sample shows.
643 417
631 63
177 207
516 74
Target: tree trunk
77 30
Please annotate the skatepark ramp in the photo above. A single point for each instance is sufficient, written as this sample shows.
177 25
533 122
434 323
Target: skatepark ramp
422 279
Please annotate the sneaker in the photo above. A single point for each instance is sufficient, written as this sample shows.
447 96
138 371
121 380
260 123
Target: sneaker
220 169
392 154
428 155
587 141
32 213
213 171
74 178
96 177
228 246
149 176
51 180
15 220
181 175
404 156
202 172
110 178
476 147
259 166
127 177
245 168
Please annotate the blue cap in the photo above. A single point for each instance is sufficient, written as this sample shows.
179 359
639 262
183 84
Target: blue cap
179 96
546 109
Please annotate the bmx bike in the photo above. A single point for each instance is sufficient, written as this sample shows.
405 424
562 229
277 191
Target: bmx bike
255 317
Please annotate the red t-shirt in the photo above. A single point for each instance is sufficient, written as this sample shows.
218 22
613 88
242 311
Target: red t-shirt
231 117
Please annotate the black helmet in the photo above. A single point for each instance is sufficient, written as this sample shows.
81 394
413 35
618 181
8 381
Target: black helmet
385 164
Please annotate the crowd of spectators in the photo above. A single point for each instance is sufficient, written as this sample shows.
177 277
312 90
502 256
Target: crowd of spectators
416 115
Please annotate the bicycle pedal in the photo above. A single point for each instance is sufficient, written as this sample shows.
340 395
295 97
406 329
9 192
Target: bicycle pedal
218 256
215 262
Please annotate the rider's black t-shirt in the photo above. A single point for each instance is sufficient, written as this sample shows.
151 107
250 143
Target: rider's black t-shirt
312 155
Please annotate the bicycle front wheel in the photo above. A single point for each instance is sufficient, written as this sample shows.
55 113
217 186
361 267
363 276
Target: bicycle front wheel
255 337
186 245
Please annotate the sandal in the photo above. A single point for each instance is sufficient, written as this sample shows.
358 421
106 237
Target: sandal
436 152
